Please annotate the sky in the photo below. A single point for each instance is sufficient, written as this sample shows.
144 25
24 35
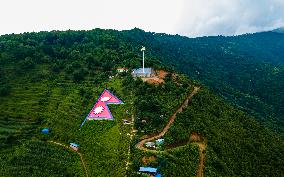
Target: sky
191 18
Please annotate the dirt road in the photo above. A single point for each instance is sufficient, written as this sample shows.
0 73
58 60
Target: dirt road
197 139
194 138
172 118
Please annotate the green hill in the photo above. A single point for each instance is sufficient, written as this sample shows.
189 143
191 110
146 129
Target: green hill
52 79
246 70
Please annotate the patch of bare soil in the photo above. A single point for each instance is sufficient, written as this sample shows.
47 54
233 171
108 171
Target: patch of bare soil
195 137
157 79
162 74
153 80
147 160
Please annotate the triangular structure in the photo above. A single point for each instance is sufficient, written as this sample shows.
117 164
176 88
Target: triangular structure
100 110
109 98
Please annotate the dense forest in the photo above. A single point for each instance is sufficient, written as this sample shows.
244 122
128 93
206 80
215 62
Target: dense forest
235 141
52 79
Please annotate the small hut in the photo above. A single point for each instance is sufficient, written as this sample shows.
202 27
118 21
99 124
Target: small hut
148 170
160 141
158 175
127 122
45 131
121 70
150 144
74 146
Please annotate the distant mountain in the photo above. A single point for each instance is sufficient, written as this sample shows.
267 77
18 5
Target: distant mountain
279 30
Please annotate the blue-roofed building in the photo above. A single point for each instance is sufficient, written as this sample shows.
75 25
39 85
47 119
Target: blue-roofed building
158 175
45 131
148 170
74 146
148 72
160 141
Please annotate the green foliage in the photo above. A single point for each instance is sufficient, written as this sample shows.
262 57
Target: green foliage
237 145
36 158
5 90
155 104
182 162
52 79
246 70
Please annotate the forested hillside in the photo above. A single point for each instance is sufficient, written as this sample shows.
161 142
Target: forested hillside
246 70
52 79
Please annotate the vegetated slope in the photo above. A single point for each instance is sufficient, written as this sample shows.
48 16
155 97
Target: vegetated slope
237 144
52 79
153 99
247 70
140 145
48 83
36 158
61 106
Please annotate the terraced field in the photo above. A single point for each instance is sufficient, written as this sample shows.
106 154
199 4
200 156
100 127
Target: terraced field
60 105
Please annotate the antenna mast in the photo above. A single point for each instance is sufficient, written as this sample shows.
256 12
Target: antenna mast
143 49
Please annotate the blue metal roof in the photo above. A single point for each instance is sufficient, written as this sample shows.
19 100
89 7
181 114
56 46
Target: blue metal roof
140 71
160 141
74 144
45 130
158 175
148 169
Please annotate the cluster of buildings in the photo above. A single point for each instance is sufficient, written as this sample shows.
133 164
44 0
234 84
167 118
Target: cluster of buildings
139 72
151 144
149 170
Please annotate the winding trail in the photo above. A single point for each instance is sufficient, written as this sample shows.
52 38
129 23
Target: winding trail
81 155
131 137
195 138
172 118
201 165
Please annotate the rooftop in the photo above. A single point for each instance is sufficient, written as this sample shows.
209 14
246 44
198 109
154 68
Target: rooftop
74 144
148 169
140 70
158 175
160 140
45 130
